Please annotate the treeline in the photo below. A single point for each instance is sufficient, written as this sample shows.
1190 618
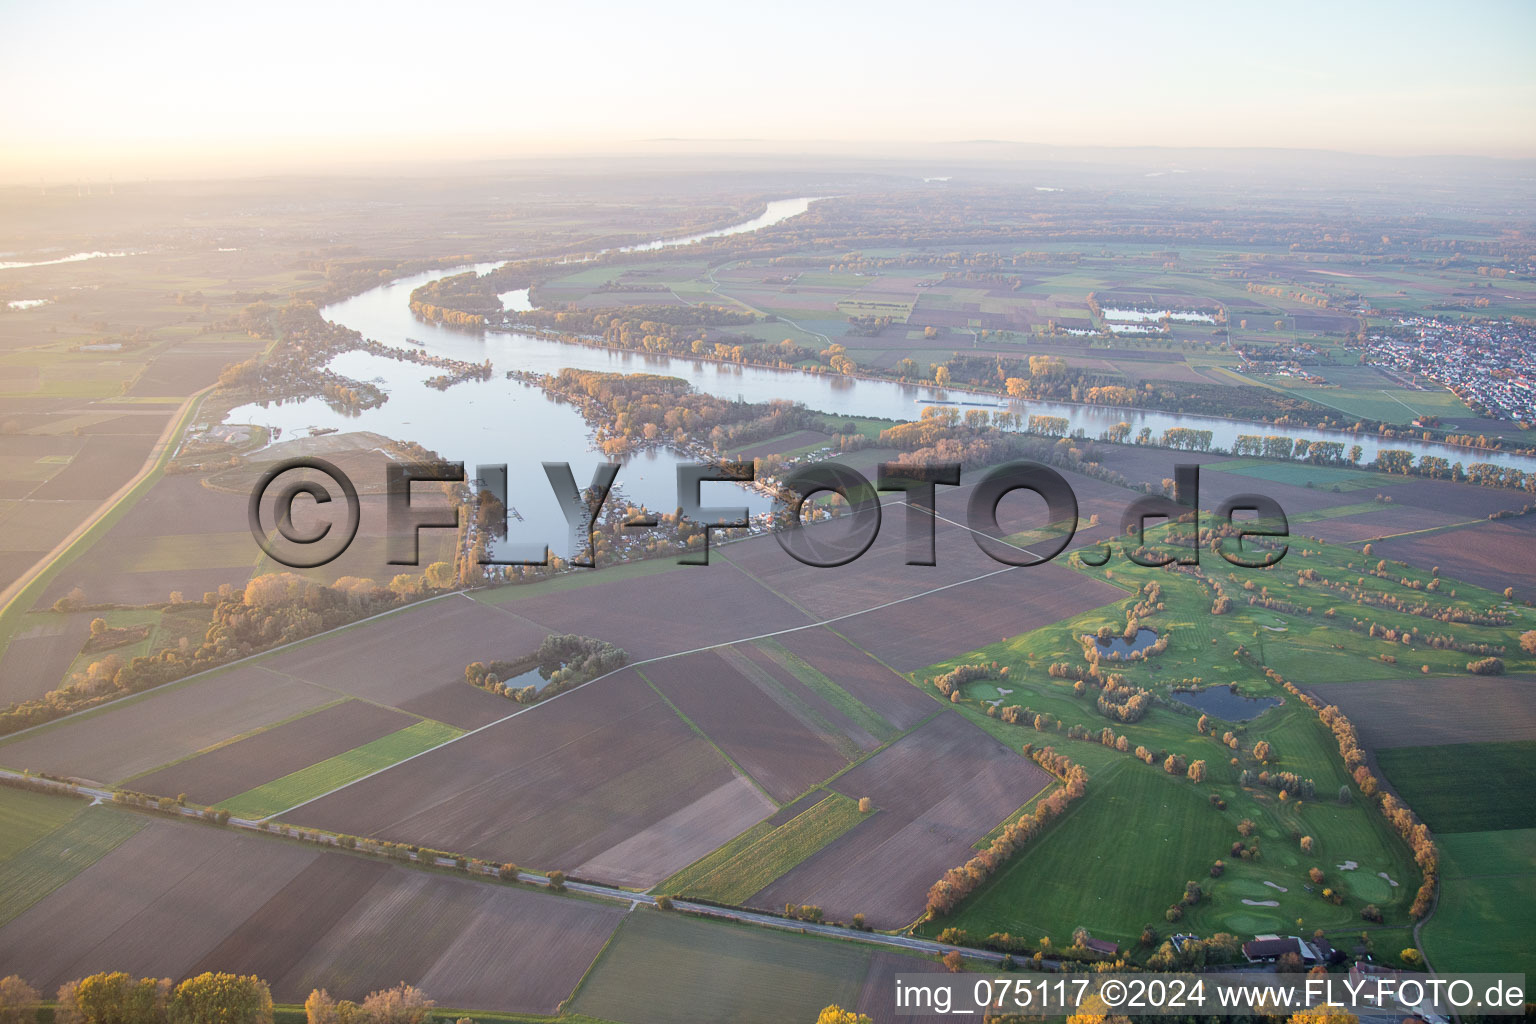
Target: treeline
631 410
1422 608
1259 597
1116 700
274 609
943 435
958 883
950 682
462 300
118 998
1413 832
1394 461
213 997
1288 784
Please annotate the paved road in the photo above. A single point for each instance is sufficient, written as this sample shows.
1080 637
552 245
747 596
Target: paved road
157 452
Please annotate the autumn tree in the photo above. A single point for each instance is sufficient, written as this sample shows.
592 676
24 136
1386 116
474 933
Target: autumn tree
18 1001
220 998
835 1014
112 998
953 961
1323 1015
403 1004
320 1008
1263 751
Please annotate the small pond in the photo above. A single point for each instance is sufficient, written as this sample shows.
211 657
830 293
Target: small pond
1220 702
1120 647
534 677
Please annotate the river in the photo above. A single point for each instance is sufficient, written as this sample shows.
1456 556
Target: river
503 421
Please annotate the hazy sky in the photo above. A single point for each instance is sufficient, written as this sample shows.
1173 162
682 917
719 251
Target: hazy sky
95 88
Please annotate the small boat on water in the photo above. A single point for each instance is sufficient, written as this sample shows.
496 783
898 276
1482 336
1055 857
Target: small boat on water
982 405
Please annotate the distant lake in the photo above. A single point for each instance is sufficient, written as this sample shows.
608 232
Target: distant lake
78 257
1153 315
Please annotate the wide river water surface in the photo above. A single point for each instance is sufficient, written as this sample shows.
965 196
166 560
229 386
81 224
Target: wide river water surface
504 421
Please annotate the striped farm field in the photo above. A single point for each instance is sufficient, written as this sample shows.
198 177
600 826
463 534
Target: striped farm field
318 779
62 853
666 969
758 863
26 817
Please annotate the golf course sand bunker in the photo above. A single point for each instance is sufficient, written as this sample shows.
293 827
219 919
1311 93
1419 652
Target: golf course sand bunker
1383 874
1262 903
1272 885
1349 865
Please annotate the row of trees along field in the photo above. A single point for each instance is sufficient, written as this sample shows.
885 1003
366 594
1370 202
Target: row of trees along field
958 883
269 610
209 998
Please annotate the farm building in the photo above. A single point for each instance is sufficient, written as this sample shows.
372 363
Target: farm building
1269 948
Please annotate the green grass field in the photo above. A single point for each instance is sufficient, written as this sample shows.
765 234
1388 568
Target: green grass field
1301 474
1466 787
1503 852
666 969
1488 886
1336 512
1084 872
1088 871
26 817
755 864
319 779
63 852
